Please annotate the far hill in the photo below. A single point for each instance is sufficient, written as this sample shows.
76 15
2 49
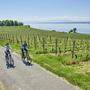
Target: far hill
41 32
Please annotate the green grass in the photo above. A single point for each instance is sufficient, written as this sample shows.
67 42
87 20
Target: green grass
54 64
61 64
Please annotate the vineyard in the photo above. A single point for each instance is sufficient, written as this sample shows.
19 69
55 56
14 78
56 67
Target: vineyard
65 54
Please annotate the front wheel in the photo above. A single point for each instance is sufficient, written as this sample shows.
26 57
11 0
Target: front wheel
11 61
29 59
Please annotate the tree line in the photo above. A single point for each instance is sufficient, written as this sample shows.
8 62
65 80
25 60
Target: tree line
10 23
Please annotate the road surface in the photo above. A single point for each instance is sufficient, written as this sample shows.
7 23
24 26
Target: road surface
33 77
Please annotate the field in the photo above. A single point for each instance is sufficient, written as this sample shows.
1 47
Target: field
65 54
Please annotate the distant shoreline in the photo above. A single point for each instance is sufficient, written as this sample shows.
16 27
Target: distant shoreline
61 22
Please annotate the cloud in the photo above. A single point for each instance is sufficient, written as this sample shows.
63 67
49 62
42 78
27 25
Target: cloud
49 18
63 18
71 18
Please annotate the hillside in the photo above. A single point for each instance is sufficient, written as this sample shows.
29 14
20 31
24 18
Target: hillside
65 54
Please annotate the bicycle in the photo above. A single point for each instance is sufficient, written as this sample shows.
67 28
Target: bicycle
26 58
9 59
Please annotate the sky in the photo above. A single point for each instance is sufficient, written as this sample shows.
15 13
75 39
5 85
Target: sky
43 10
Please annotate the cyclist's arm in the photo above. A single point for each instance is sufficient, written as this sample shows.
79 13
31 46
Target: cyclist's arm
5 47
10 48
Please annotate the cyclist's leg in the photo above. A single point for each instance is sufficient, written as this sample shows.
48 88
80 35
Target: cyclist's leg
11 60
26 53
28 57
6 57
7 61
23 55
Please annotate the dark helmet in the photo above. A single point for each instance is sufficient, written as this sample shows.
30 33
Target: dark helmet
7 44
24 41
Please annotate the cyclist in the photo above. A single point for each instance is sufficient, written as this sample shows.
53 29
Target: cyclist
9 59
24 49
7 49
25 55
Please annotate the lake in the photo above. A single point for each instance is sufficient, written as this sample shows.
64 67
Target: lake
63 27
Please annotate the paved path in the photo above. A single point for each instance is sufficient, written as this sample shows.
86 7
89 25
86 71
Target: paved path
30 77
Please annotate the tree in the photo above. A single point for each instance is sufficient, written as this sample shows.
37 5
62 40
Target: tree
10 23
1 24
15 23
71 31
74 30
20 24
73 45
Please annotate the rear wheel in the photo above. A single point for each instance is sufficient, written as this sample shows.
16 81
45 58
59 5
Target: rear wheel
29 59
12 62
9 61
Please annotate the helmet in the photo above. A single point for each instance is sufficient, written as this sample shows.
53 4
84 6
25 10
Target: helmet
7 44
